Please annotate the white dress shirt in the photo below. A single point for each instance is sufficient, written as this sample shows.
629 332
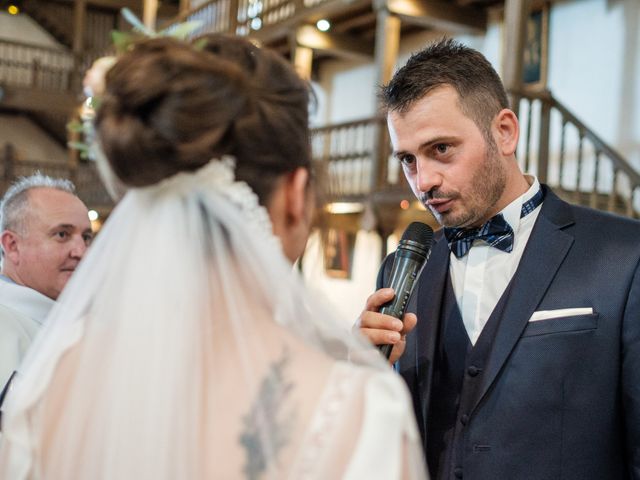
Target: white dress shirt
480 277
22 312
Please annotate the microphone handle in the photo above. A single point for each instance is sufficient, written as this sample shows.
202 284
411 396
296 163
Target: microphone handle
405 271
386 350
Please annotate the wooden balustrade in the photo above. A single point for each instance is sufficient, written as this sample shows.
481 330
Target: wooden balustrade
85 176
353 159
35 66
244 16
563 152
350 163
215 16
57 17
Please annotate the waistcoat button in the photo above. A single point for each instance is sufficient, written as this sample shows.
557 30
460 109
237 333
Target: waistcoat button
473 371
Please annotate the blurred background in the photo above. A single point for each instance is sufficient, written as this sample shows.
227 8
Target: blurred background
572 68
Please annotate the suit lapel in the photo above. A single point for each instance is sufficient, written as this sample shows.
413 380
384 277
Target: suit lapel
545 251
430 294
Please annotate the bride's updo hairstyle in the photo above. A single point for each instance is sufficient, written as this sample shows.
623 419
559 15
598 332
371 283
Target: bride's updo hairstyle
171 107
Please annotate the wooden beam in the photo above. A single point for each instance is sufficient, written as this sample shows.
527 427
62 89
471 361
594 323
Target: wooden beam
185 5
516 13
150 13
327 9
440 15
301 57
340 45
387 46
34 99
360 20
79 22
136 6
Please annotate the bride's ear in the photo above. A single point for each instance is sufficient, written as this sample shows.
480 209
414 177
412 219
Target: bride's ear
290 212
296 195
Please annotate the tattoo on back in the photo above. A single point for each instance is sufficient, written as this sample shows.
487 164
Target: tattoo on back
268 424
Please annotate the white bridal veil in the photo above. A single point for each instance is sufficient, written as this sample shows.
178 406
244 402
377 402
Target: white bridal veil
186 347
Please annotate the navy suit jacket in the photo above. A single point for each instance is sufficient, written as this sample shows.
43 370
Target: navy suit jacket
558 398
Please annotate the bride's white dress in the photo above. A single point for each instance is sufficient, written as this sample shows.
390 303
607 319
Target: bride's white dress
184 347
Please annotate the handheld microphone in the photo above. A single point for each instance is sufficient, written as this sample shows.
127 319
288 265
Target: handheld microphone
411 255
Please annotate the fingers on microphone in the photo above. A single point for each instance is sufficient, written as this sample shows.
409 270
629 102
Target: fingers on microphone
378 321
409 322
381 337
392 337
386 322
379 298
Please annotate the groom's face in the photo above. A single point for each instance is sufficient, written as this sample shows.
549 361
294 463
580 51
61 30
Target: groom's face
451 167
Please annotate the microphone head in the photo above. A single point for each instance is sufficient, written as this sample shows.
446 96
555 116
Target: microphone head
418 232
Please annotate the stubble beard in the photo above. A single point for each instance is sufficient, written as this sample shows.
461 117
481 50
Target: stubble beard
487 188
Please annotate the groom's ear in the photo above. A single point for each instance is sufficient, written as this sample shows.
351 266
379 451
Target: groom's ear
506 131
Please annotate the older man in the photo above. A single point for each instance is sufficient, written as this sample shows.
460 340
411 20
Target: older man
45 232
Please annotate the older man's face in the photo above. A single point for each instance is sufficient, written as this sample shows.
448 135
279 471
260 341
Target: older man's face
55 235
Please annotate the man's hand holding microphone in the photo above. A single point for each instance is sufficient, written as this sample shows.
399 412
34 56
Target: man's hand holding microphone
384 320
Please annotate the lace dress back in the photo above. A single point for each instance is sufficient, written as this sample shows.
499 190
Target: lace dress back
210 362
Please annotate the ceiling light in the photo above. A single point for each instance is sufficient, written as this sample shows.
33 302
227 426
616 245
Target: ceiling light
256 23
323 25
344 207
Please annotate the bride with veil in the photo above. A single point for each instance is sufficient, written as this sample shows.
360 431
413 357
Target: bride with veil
185 345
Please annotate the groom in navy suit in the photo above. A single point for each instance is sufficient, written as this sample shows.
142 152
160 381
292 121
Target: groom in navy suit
522 351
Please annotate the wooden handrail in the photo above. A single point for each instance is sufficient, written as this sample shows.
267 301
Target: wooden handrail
352 123
85 175
343 158
34 46
40 67
547 97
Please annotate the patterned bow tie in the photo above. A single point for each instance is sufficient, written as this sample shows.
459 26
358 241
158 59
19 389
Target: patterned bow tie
496 232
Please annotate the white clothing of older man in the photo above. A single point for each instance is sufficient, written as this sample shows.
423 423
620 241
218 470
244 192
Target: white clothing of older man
45 230
22 311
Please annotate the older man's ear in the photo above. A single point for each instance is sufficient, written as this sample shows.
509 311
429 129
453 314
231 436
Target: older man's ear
10 248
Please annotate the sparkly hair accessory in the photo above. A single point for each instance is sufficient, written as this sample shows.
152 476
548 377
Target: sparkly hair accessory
94 84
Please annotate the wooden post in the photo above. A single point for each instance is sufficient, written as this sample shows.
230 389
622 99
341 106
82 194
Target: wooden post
35 73
149 13
74 136
516 13
387 217
233 16
384 237
9 159
387 45
79 23
185 6
543 141
303 61
301 56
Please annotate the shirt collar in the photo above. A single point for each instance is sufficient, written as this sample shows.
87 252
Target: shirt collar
25 300
512 212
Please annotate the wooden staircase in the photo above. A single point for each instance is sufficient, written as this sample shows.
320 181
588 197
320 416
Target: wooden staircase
45 84
84 175
56 17
354 162
352 158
